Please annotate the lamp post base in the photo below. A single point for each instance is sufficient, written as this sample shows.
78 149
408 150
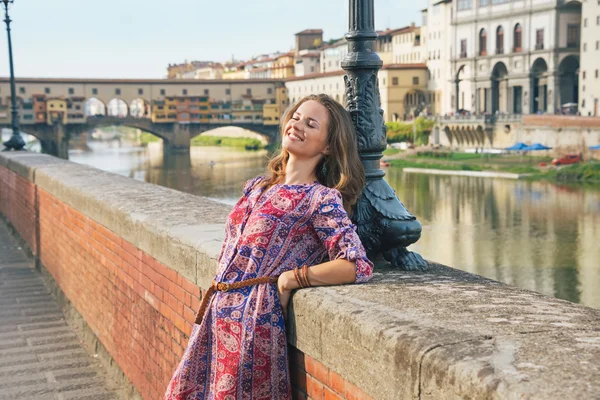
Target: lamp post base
15 142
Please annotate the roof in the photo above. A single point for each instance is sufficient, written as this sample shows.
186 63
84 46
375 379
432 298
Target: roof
397 31
311 32
404 66
166 82
312 54
315 76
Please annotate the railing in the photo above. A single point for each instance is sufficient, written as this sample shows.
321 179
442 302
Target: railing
463 54
479 118
500 50
539 46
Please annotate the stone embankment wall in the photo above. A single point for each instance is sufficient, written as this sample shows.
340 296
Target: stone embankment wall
565 134
131 258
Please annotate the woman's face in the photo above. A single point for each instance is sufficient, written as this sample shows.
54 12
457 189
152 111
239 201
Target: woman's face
305 134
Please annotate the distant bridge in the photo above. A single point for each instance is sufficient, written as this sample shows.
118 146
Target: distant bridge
176 136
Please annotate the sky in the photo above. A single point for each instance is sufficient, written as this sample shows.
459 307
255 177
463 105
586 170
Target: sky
139 38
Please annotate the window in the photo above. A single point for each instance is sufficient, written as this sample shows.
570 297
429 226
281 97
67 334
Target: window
585 47
583 75
464 5
140 91
500 40
94 91
71 91
596 74
395 81
22 90
572 35
118 91
47 90
248 91
482 42
184 92
483 3
597 44
206 91
415 80
227 91
518 34
585 22
162 92
269 91
463 48
539 39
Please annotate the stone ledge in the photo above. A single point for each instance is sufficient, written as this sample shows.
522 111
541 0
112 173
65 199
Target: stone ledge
443 334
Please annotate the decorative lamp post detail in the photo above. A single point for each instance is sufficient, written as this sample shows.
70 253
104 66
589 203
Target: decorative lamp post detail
383 223
16 141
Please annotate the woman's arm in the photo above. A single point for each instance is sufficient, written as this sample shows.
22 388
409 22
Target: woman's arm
334 272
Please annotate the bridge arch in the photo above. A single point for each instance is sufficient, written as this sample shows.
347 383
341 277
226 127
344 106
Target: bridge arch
140 108
117 108
95 107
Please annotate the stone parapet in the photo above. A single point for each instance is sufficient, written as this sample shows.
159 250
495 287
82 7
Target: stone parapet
130 256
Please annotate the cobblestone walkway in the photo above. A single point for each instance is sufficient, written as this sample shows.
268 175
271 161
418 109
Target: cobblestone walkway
40 355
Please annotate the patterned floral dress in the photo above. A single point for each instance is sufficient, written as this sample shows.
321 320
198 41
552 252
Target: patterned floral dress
239 351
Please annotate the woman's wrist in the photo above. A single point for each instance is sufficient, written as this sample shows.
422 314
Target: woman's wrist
288 281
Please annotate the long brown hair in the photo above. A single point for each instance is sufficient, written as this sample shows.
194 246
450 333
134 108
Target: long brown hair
341 169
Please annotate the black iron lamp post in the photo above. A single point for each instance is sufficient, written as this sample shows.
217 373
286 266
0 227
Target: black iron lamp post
16 141
384 225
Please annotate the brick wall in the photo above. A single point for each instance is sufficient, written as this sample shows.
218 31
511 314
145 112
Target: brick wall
561 121
17 204
141 310
313 380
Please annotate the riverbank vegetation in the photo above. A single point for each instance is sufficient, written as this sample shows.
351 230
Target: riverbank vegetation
416 133
588 172
246 143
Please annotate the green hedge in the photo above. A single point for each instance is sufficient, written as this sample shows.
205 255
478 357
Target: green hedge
247 143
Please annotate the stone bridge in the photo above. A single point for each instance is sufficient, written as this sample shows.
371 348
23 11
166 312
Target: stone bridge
176 137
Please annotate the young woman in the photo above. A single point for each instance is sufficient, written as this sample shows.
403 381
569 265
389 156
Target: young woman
278 238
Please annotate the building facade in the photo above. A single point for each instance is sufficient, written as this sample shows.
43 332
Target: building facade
437 34
515 56
403 89
589 82
332 56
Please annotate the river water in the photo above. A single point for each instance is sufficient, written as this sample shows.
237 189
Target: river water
535 235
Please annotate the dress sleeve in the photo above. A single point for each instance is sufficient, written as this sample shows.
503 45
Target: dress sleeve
251 184
333 226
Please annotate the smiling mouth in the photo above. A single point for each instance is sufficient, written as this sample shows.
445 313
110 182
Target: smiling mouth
293 136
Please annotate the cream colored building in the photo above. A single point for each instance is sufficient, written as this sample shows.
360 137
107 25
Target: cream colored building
407 46
332 56
437 34
330 83
515 56
589 75
308 62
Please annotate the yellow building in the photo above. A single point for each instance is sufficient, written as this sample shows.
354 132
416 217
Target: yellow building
283 67
56 109
76 110
273 111
404 93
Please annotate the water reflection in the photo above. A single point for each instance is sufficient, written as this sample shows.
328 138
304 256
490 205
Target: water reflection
534 235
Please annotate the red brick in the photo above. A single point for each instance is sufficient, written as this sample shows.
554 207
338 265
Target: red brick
331 395
314 388
354 393
191 288
316 369
337 383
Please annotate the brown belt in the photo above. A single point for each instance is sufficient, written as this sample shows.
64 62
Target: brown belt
224 287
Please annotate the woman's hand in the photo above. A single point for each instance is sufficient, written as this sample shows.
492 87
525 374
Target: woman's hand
285 284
